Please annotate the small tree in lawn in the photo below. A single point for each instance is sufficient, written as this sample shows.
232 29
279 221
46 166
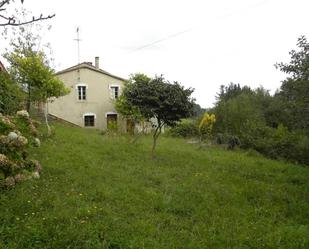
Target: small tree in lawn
157 98
32 70
206 125
30 66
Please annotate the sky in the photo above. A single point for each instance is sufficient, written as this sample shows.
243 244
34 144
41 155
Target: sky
200 43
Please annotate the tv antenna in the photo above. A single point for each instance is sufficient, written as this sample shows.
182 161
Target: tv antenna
78 53
78 41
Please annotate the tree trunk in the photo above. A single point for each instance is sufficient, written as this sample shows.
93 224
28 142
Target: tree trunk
46 119
29 99
155 137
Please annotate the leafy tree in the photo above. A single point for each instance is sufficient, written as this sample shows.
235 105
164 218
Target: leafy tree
25 56
39 79
157 98
233 114
294 91
30 67
128 111
198 110
13 20
11 95
230 91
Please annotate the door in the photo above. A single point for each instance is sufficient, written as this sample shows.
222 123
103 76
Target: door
111 121
130 126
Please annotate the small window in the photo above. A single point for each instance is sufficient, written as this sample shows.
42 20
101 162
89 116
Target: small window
81 92
89 120
115 92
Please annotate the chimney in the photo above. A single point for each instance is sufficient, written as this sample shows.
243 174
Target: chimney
97 62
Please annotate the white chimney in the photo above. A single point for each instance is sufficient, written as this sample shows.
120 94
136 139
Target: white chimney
97 62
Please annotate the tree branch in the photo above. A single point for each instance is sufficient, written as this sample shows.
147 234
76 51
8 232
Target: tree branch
2 3
12 20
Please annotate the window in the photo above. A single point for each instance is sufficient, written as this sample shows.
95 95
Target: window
89 120
114 92
81 92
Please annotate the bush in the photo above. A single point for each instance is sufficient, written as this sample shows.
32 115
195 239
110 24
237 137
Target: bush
301 151
17 134
221 138
11 96
233 142
185 128
276 143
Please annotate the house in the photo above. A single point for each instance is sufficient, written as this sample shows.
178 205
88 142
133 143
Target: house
91 100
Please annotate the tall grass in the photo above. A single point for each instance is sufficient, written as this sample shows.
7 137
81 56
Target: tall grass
103 192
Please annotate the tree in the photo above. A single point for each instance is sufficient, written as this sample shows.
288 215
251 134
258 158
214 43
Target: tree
11 95
294 91
32 71
25 54
233 113
157 98
198 110
12 20
230 91
129 112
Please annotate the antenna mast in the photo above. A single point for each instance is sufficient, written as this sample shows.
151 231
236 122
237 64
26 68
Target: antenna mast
78 53
78 41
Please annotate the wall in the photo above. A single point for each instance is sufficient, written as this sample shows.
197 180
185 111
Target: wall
98 98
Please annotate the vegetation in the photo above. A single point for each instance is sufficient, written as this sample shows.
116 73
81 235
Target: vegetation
205 126
11 96
131 113
98 192
30 69
276 126
17 135
294 91
186 128
159 99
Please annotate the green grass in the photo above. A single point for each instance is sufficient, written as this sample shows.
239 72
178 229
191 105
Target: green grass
103 192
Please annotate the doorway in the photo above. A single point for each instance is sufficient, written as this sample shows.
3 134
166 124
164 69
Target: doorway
111 120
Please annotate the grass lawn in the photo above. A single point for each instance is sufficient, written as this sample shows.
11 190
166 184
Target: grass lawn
103 192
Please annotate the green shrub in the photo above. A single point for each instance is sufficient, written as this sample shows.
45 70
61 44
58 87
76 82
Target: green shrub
220 138
276 143
11 96
17 135
185 128
233 142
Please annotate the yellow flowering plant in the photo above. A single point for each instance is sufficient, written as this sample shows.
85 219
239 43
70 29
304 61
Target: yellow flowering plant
206 125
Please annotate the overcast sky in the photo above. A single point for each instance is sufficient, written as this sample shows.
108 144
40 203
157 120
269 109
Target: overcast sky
200 43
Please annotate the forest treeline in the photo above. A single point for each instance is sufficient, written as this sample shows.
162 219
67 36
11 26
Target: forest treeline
274 125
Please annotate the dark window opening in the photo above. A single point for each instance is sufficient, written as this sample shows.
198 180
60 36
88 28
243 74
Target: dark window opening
89 120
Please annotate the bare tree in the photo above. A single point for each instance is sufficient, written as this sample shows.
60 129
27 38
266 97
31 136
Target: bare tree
12 20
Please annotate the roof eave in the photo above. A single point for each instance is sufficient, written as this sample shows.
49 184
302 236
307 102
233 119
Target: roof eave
83 65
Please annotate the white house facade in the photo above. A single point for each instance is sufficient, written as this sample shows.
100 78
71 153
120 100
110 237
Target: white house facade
90 103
